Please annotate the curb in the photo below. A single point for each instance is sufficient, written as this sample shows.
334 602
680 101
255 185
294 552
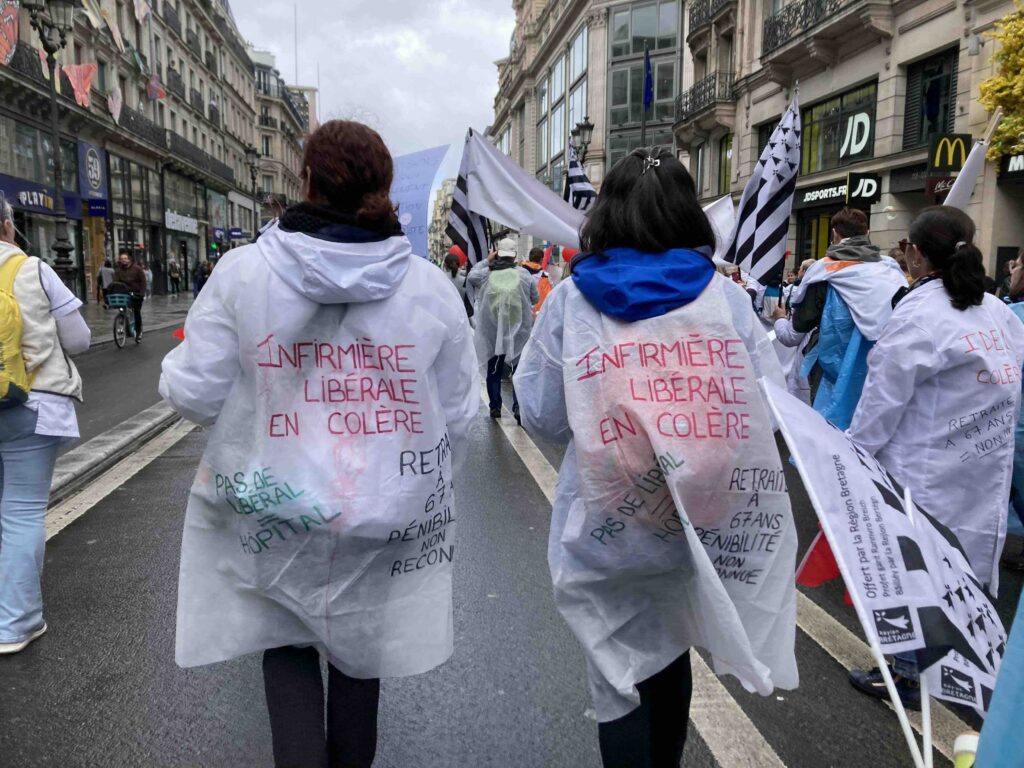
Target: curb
77 467
108 340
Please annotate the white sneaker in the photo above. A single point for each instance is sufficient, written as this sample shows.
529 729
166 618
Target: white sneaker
16 647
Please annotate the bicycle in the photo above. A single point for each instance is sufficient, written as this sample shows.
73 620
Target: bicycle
124 320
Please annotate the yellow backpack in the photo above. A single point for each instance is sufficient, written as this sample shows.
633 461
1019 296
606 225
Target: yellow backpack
15 381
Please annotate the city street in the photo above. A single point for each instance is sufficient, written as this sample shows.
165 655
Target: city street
102 689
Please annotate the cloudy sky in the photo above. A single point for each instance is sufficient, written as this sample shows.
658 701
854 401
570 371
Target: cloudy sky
419 71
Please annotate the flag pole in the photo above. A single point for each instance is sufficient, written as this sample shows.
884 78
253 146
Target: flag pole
926 700
643 99
876 648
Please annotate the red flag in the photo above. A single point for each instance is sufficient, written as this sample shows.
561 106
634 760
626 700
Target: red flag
819 564
179 334
80 76
547 258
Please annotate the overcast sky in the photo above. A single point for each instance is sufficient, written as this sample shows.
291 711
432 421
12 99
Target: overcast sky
419 71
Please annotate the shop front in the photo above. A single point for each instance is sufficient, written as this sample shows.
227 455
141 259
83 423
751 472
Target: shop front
182 205
218 235
815 206
1008 225
94 187
134 224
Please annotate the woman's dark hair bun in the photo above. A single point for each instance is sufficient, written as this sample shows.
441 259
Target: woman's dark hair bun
351 170
945 236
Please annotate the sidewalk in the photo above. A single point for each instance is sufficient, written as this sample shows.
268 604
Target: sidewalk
158 313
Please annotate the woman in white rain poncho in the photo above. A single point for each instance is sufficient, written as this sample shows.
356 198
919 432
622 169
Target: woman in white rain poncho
503 312
671 527
337 371
941 400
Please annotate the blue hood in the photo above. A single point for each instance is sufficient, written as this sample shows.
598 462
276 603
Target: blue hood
631 285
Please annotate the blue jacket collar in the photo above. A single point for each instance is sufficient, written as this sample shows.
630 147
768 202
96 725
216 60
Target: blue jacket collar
631 285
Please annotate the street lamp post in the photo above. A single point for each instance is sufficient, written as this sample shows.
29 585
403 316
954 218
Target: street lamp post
54 21
252 156
582 135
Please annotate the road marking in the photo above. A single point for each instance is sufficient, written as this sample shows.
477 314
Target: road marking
729 734
60 517
853 653
835 639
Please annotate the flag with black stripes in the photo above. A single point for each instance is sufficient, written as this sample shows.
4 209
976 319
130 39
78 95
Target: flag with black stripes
762 227
578 189
466 229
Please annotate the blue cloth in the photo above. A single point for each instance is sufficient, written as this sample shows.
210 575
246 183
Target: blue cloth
26 469
1002 738
842 353
648 82
1015 522
631 285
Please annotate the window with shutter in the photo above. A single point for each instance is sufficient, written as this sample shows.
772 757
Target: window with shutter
912 116
954 67
931 98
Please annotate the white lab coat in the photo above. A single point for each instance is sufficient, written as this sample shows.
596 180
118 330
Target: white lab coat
634 505
339 380
939 409
789 344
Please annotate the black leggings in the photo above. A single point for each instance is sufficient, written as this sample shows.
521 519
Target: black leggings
652 735
295 701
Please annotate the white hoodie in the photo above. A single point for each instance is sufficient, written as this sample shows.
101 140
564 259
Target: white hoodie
340 380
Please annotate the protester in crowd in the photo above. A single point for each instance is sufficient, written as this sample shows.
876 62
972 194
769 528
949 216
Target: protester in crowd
503 311
948 352
1003 291
104 277
148 272
644 281
174 273
331 302
898 255
843 302
132 276
33 425
535 266
200 275
453 268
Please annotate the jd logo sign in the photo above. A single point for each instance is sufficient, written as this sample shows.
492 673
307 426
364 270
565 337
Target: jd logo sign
947 154
863 188
858 132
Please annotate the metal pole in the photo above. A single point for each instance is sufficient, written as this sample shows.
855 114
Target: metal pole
62 246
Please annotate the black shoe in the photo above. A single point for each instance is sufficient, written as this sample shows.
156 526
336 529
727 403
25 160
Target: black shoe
519 420
873 684
138 337
495 413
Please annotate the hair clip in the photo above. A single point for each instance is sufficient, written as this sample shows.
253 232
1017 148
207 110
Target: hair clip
961 244
650 162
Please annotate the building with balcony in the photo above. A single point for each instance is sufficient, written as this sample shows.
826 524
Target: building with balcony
159 176
437 241
282 123
570 59
878 81
306 98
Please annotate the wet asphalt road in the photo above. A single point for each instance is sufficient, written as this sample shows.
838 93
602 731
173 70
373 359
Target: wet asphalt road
101 688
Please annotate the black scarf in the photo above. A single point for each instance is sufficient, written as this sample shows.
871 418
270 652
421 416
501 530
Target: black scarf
330 224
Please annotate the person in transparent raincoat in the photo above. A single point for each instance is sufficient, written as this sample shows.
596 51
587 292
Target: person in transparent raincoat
336 372
671 526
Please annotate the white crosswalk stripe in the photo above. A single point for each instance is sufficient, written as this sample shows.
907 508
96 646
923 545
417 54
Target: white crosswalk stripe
730 735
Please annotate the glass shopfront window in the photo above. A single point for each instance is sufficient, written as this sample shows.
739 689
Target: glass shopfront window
839 131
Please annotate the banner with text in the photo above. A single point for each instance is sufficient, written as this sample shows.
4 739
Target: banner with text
410 191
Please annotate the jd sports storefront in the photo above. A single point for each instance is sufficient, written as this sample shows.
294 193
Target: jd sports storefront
815 206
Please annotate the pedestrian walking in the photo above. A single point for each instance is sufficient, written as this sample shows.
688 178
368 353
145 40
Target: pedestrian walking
104 277
338 372
174 273
503 311
942 394
604 371
843 302
133 278
34 422
149 278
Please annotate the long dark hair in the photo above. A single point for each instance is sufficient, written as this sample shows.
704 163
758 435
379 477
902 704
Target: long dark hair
651 210
945 236
451 264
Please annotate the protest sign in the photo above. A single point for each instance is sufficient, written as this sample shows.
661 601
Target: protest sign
410 191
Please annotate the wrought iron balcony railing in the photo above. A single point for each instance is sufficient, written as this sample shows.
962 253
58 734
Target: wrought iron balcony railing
795 19
174 82
703 11
143 127
714 89
171 18
196 100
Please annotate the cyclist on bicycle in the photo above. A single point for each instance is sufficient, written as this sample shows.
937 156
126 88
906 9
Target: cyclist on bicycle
132 276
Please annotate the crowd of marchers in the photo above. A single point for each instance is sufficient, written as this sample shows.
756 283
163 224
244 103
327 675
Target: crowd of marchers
891 351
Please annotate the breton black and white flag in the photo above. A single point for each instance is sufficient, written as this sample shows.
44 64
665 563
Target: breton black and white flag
465 228
578 189
913 587
758 242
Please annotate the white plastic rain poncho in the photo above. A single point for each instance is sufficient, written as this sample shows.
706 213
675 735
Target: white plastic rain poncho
340 380
672 526
502 309
939 410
